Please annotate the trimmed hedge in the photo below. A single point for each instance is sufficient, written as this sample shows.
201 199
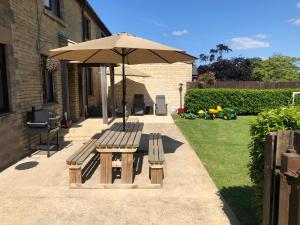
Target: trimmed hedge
283 118
243 101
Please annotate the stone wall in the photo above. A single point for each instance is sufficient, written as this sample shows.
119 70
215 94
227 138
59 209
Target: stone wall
164 79
29 30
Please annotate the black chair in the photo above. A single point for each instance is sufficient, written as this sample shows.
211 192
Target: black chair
138 104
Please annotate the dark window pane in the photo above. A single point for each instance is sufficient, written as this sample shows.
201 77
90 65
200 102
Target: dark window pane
56 7
53 5
48 82
86 29
3 82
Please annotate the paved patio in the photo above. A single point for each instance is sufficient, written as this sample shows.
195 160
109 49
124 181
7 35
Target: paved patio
36 191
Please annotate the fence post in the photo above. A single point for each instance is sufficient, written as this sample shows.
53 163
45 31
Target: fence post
268 177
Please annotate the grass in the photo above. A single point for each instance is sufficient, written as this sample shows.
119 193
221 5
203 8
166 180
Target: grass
222 147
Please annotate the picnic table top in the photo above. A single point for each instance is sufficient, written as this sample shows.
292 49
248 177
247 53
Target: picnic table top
118 140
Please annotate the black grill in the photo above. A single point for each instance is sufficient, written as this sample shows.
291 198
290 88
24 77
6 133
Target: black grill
45 121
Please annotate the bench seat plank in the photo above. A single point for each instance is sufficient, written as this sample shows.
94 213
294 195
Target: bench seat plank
156 158
161 155
137 139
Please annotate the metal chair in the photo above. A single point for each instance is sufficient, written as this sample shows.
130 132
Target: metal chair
161 106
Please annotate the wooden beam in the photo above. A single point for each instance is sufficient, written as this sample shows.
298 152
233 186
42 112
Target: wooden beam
103 86
112 90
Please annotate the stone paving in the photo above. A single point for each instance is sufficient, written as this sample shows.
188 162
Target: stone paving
36 191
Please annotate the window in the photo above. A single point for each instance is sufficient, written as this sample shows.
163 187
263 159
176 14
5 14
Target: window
89 81
3 82
48 81
54 6
86 29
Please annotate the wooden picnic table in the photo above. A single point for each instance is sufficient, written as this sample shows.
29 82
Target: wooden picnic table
115 140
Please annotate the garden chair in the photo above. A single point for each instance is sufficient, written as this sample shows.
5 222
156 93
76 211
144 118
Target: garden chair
160 105
138 104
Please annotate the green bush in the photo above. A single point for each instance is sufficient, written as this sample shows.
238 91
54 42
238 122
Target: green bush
243 101
283 118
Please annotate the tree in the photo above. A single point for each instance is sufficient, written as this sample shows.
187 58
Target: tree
215 52
225 69
275 68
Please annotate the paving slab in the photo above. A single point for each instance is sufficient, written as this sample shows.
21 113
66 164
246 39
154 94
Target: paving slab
36 191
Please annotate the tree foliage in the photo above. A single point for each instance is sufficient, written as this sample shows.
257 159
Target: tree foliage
225 69
275 68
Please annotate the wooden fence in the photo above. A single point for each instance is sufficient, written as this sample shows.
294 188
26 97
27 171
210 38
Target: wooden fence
281 200
245 85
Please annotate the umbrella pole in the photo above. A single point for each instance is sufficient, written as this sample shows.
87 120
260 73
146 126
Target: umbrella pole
124 87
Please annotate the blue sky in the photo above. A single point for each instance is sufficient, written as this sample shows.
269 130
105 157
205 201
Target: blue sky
252 28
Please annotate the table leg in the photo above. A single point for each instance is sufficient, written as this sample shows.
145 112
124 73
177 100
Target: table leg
127 168
106 168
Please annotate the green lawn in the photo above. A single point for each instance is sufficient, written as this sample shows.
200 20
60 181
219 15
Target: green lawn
222 147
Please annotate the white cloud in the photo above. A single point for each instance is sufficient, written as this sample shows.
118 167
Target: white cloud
245 43
180 32
298 5
295 21
262 36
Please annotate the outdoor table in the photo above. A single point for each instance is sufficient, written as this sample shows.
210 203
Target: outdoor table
115 140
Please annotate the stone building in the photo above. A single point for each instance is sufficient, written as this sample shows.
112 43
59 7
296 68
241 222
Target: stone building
154 79
28 29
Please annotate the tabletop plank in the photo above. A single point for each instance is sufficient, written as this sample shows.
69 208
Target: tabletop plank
110 134
104 135
115 137
124 142
151 152
138 136
112 142
122 135
132 136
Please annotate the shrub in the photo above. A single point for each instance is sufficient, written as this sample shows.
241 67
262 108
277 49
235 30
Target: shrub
243 101
283 118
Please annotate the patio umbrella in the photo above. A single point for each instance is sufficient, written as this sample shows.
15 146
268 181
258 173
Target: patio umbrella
130 72
121 48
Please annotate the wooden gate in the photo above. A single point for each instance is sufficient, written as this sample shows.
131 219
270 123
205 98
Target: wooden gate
282 178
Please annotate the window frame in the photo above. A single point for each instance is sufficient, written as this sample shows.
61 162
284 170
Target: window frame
48 82
54 7
86 29
4 81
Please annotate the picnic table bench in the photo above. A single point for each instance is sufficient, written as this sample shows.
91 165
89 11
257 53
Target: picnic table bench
156 158
115 140
76 160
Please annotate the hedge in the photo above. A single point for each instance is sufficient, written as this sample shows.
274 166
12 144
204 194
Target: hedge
283 118
243 101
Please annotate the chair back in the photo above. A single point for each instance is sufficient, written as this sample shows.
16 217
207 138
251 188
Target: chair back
138 104
161 108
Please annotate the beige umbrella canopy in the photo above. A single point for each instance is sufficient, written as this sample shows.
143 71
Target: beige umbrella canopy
110 50
129 72
121 48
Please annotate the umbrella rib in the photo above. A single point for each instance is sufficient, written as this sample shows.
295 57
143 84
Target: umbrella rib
60 53
115 51
132 50
92 55
158 55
